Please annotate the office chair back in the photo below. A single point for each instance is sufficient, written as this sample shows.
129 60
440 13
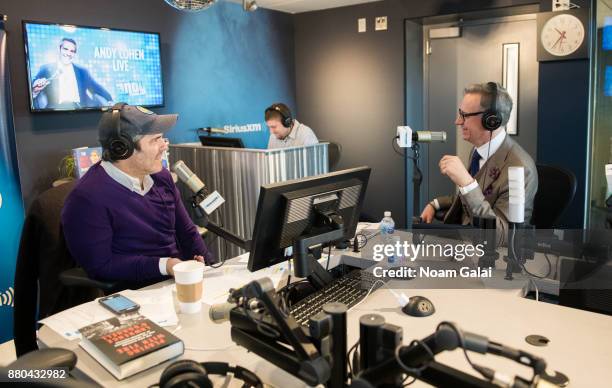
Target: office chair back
42 257
556 190
334 152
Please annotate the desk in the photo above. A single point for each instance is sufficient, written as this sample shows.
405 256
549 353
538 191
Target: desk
580 342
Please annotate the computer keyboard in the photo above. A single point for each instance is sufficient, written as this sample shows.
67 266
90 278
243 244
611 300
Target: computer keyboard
349 289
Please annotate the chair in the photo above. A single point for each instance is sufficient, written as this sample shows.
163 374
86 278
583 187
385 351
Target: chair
556 190
42 257
334 152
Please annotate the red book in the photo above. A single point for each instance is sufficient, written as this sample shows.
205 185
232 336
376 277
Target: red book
126 345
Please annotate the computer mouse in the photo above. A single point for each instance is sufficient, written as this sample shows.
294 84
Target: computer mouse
419 306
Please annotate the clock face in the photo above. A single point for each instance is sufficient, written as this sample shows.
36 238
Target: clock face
562 35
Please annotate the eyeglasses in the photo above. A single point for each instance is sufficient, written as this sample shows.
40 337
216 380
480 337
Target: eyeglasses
466 114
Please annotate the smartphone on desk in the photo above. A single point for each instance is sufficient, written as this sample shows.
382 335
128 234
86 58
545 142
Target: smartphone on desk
119 304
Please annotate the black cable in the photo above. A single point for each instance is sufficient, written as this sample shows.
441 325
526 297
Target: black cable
556 266
414 371
418 176
417 179
393 144
520 264
410 383
348 358
223 254
328 257
359 245
454 327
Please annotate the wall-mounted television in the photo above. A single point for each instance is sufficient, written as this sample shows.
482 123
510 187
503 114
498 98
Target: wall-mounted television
88 68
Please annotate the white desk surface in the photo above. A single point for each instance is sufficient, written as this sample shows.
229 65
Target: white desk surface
580 342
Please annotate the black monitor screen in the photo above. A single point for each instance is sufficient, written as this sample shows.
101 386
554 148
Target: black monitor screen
285 211
213 141
84 68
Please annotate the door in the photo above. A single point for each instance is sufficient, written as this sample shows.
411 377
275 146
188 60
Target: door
451 64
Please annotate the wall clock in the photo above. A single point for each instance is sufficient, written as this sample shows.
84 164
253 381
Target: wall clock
563 35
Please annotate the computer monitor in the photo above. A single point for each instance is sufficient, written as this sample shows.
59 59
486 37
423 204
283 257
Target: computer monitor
313 210
214 141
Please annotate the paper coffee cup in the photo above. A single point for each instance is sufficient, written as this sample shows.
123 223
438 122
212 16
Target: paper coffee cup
188 277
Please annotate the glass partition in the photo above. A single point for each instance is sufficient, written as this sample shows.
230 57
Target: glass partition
601 135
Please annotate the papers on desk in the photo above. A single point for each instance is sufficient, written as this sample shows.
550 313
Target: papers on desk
156 304
218 281
369 229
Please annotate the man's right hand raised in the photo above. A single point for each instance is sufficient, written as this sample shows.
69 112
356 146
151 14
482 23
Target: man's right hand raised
428 213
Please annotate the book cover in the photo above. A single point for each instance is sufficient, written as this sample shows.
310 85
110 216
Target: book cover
126 345
85 157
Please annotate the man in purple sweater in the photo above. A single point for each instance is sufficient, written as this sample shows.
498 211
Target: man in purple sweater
125 220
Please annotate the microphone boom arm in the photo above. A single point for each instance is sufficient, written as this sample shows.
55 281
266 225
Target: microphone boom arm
203 220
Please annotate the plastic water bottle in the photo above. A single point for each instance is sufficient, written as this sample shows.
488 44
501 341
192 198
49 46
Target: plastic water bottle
387 228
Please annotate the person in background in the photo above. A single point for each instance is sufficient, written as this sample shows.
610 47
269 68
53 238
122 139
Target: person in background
285 131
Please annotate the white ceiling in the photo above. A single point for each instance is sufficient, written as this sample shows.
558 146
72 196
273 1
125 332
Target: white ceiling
297 6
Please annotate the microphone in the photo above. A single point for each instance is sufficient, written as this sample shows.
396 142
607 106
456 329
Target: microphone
447 338
220 312
429 136
406 136
189 178
215 130
208 203
516 185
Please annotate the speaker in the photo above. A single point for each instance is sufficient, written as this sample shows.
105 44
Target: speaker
120 145
286 118
188 373
491 119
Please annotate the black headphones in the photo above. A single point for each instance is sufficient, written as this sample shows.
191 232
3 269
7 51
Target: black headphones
286 118
120 146
491 119
188 373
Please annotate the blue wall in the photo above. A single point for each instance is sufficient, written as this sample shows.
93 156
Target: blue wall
11 205
563 112
225 66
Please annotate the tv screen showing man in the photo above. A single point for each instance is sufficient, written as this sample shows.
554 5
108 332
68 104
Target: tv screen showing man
85 68
65 85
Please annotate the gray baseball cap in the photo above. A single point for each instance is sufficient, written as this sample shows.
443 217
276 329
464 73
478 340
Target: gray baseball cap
134 121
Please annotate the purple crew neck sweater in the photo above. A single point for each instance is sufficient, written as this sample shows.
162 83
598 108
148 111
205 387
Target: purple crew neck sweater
117 234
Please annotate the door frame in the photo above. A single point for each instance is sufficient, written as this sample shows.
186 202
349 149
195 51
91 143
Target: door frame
426 102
